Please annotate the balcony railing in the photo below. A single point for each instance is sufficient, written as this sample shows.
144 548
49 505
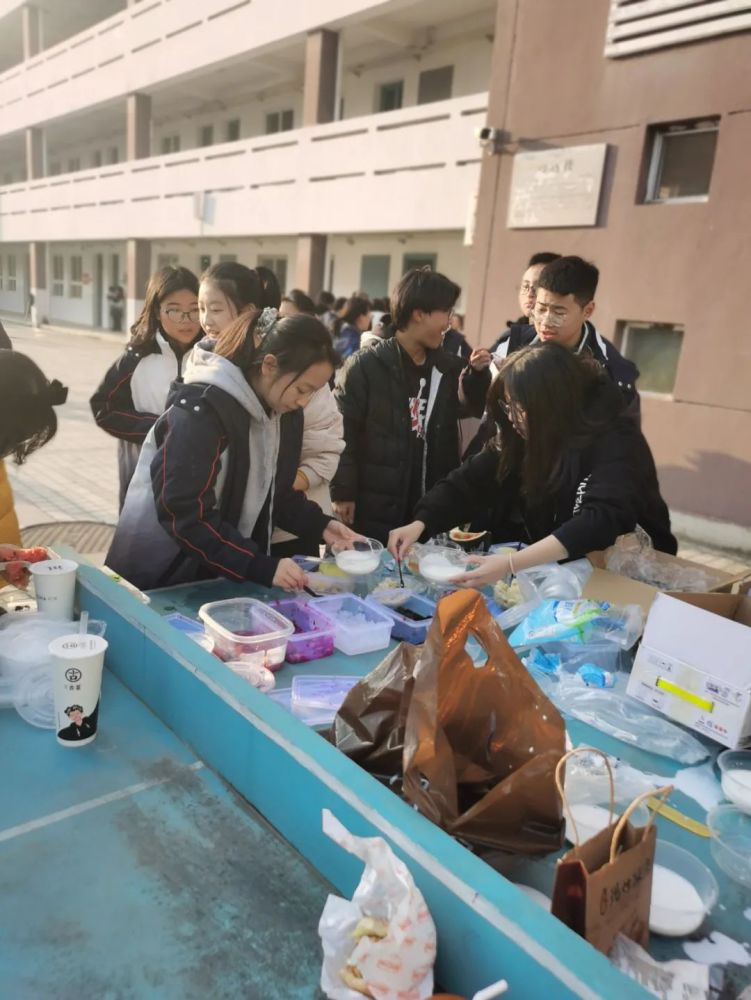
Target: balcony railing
153 42
413 169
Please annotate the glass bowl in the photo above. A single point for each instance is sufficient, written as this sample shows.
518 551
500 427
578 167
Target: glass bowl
731 842
361 558
684 891
735 768
439 564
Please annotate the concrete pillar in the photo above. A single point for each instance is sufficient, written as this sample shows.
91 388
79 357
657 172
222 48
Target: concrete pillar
310 264
321 77
38 286
138 127
34 153
138 264
31 28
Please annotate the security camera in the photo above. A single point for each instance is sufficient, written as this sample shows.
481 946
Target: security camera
490 138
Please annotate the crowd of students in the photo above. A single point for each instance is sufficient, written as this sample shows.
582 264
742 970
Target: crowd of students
244 440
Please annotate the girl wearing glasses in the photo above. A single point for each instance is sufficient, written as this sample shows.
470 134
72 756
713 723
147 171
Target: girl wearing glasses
567 473
134 391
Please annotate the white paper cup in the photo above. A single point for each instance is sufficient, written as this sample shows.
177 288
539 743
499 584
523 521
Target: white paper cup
77 662
55 587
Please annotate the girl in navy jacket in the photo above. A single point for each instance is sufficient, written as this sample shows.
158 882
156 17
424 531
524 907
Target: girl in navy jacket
134 391
216 474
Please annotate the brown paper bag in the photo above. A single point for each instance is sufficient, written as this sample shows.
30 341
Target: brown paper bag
603 887
482 743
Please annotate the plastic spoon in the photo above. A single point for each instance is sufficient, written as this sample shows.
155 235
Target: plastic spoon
490 992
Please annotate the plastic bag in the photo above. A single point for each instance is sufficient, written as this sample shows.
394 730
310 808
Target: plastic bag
395 961
580 622
619 716
634 556
551 580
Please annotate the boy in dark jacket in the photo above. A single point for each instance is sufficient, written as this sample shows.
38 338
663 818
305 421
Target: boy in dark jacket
400 401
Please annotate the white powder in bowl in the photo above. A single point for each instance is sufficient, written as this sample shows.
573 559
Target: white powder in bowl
358 563
439 569
677 909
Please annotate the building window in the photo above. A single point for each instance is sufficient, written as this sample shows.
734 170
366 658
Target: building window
279 121
58 275
206 135
233 130
55 168
167 260
390 96
435 85
75 282
171 144
681 156
279 266
11 272
374 274
411 260
655 349
96 159
74 164
114 154
227 258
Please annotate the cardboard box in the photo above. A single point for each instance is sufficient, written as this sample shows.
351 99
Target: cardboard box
603 585
694 664
717 580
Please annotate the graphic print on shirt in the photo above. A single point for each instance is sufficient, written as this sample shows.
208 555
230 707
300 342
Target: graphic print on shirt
417 407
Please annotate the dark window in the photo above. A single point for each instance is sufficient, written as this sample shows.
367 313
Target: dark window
233 130
279 266
411 260
435 85
390 96
374 275
279 121
681 158
206 135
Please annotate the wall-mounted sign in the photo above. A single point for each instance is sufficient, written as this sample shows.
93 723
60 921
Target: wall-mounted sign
556 187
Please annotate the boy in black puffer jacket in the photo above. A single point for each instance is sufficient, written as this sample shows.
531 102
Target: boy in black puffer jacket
400 400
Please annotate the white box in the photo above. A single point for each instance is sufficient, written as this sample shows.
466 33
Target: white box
694 664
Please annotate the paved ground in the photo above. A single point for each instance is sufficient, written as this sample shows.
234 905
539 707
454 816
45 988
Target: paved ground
75 477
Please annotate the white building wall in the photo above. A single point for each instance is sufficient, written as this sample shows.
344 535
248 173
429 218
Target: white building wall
471 62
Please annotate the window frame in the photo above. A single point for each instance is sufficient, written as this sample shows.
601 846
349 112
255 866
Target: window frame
208 130
379 96
435 70
625 327
657 135
75 284
57 285
12 273
233 125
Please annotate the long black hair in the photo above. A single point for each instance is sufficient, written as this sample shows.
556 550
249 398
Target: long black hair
540 401
27 398
163 283
353 309
245 286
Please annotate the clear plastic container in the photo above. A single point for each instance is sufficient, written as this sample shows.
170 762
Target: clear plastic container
246 629
311 717
684 891
360 627
731 842
735 767
408 628
360 559
323 585
314 631
316 692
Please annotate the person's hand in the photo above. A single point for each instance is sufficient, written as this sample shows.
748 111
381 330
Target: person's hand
480 359
346 510
289 576
401 539
337 533
489 571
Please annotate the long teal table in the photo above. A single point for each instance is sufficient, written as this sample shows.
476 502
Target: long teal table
487 928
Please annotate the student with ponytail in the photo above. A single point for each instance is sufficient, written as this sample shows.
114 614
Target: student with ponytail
134 391
228 290
218 471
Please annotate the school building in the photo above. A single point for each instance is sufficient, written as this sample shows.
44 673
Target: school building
338 143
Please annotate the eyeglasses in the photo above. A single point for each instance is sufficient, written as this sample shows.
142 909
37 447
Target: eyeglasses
543 312
177 315
526 289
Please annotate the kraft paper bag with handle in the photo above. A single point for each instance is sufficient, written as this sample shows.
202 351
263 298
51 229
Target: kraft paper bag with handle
603 886
481 743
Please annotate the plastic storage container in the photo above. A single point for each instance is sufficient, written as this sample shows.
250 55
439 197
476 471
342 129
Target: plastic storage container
246 629
314 631
359 627
731 842
409 629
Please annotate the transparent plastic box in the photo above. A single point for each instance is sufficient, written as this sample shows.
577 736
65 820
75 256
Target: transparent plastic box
246 629
314 631
407 628
360 627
